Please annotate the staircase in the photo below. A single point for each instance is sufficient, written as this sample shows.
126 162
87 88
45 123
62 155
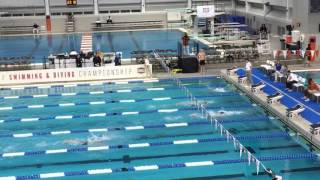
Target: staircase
86 43
70 25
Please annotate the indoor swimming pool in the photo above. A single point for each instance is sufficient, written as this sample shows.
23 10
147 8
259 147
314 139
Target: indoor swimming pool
42 46
142 130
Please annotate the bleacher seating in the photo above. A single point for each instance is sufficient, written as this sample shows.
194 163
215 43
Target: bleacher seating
231 55
127 25
15 63
16 29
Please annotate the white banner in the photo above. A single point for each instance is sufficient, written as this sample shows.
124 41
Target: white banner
73 74
205 11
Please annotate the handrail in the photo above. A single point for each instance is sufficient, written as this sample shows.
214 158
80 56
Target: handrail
214 121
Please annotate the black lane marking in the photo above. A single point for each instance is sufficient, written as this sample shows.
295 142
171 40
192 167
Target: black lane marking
280 147
227 176
300 170
125 159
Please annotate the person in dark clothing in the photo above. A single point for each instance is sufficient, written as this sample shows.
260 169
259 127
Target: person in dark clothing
35 25
185 44
35 28
96 61
308 55
278 66
79 61
263 28
289 29
117 60
109 20
263 31
82 55
276 71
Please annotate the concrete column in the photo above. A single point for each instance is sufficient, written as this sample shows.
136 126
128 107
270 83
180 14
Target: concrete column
247 6
266 9
195 26
189 4
212 26
288 10
96 7
143 6
47 7
233 5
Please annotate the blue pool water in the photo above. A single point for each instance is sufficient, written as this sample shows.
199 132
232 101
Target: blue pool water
126 42
315 75
148 125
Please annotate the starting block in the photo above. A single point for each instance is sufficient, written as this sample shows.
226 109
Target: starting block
257 87
295 111
274 98
315 129
232 71
242 79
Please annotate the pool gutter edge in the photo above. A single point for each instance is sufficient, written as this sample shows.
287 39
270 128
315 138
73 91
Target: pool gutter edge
298 124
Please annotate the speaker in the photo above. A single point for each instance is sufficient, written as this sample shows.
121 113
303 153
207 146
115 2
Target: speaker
188 64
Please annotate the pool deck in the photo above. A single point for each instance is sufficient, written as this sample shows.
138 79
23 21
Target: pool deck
297 123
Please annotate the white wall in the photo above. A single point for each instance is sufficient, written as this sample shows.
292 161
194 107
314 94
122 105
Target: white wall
118 1
21 3
63 2
83 22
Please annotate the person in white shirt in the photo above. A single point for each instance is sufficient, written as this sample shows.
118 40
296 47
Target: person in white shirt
292 78
248 71
147 67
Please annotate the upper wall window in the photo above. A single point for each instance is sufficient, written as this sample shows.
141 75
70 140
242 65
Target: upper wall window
314 6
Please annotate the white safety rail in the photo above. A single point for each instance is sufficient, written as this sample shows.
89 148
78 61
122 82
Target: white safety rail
214 121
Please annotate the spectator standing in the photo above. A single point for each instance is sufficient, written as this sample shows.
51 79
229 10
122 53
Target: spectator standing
263 31
82 55
117 60
79 61
202 61
147 67
308 55
249 72
277 72
185 44
96 61
290 29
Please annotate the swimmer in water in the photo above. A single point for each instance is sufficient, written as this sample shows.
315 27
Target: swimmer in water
75 142
92 140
